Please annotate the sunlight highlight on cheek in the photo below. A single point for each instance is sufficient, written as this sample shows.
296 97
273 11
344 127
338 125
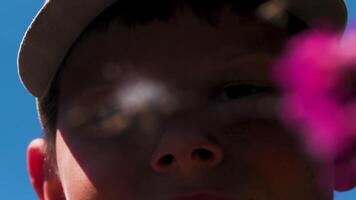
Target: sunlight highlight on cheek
71 173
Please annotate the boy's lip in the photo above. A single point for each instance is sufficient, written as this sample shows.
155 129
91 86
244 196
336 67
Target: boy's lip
204 196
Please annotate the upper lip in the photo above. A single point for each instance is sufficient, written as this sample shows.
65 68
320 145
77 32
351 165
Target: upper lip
203 196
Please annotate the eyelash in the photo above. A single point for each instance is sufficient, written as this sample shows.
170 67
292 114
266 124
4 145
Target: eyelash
238 90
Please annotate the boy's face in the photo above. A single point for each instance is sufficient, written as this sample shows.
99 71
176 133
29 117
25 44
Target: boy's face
166 110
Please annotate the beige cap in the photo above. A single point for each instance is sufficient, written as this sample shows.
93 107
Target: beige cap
60 22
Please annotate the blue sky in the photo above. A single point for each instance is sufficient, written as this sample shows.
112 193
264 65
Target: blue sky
18 116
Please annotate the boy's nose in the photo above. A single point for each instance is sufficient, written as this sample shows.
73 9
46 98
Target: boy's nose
185 153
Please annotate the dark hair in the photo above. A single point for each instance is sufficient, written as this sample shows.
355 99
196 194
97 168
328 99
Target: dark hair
135 12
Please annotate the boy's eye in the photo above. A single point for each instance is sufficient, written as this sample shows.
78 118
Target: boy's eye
241 90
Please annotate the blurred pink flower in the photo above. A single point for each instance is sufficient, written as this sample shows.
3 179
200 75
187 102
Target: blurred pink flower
317 78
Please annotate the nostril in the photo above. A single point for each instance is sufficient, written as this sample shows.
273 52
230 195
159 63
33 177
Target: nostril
166 160
202 154
186 158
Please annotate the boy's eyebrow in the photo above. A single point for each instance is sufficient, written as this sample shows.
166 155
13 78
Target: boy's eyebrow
250 66
271 49
253 54
234 62
237 61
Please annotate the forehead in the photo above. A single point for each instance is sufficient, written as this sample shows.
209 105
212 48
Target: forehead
185 47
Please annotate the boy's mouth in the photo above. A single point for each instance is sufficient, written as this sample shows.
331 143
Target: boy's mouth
203 196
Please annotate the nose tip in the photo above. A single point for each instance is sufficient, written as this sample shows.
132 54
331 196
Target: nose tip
187 157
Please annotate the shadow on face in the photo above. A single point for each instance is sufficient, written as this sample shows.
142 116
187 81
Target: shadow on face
173 108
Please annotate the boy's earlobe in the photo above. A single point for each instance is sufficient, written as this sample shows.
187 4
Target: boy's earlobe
35 165
344 175
46 186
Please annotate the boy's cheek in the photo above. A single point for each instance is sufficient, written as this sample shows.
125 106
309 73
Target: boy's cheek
279 160
102 171
114 167
71 173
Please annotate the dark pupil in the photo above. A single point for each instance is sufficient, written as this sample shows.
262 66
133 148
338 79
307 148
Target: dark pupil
242 90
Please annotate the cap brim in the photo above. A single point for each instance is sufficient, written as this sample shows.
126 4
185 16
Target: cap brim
60 22
51 34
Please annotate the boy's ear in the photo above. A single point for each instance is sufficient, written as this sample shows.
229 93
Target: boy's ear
344 175
47 186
